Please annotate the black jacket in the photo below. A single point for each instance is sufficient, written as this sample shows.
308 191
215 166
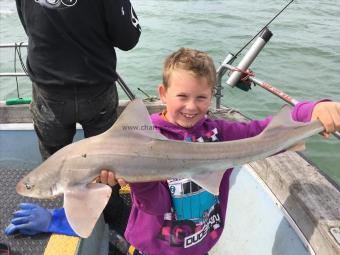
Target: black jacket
72 41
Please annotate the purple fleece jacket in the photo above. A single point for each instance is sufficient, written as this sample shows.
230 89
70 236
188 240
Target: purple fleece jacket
150 201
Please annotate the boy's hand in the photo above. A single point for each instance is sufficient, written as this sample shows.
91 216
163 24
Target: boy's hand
328 113
109 178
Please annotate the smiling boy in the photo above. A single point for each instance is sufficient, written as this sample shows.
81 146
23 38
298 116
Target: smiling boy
178 217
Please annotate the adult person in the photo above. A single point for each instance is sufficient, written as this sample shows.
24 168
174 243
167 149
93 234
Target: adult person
71 61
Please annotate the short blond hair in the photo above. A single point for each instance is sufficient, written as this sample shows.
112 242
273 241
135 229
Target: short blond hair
199 63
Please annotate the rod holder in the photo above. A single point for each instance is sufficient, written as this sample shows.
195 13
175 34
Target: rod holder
221 70
250 56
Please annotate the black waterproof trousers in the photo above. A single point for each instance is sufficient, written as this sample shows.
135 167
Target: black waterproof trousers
56 110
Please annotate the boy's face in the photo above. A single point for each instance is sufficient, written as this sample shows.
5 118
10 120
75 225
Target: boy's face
187 98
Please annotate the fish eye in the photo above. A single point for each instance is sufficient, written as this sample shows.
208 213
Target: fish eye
28 186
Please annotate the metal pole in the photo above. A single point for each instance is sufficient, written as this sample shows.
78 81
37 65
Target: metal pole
12 74
274 91
12 45
125 87
219 74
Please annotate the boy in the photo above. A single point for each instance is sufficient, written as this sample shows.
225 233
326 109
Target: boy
177 216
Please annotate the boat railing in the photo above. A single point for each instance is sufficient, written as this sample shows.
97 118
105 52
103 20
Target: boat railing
17 55
19 69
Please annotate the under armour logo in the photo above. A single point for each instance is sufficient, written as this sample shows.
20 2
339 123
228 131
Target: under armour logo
135 20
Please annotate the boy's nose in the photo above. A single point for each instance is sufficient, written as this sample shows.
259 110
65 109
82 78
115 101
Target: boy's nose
191 105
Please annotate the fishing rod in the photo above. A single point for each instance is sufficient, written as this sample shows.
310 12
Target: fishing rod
231 57
265 26
277 92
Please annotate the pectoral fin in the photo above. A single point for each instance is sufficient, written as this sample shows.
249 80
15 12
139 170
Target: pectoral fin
209 181
83 206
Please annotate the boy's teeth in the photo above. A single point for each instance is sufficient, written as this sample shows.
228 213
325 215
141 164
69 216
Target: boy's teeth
188 115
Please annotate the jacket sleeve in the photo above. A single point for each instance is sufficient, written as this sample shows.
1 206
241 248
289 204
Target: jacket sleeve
122 23
303 111
151 197
19 10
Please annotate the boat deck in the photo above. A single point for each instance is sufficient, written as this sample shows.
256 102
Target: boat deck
20 244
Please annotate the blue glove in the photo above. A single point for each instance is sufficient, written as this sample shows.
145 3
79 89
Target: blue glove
32 219
59 223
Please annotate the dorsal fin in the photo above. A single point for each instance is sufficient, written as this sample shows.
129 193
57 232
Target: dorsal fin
135 119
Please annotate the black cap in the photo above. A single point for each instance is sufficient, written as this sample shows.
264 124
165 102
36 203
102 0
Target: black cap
266 34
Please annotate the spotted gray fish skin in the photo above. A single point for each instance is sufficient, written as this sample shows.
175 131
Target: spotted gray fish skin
146 155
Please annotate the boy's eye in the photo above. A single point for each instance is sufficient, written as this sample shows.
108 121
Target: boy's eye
181 96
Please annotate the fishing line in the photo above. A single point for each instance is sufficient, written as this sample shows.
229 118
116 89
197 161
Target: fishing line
235 56
17 52
18 49
15 68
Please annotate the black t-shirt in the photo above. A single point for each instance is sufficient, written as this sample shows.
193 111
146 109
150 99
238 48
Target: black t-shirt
72 41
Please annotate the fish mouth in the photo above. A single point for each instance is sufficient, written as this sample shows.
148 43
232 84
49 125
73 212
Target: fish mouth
21 188
25 189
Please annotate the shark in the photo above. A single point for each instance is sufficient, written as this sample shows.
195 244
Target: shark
142 155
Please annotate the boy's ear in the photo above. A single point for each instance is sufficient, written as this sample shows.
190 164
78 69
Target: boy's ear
162 92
